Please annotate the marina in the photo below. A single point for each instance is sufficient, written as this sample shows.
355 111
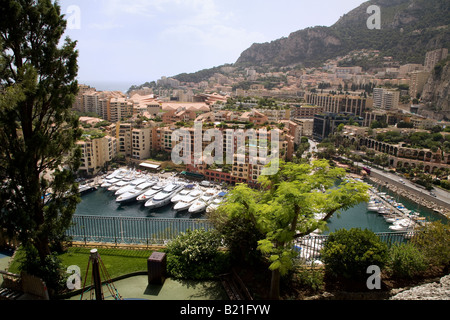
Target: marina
136 199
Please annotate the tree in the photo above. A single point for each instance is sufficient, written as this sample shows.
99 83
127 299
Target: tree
38 130
291 204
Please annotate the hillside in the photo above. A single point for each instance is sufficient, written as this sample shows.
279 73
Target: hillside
409 28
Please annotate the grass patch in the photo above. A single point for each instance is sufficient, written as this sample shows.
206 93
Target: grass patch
118 262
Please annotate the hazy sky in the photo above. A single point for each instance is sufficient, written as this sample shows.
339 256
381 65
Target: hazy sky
134 41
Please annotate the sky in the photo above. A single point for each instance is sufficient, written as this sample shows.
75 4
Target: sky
125 42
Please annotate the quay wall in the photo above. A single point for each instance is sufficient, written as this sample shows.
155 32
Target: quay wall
421 198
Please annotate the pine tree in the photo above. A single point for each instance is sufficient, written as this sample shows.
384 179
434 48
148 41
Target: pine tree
38 130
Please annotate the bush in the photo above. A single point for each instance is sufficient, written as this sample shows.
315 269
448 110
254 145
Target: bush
51 271
195 255
434 241
311 278
348 253
406 261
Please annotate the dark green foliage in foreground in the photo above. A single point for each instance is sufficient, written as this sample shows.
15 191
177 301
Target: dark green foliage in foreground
348 253
195 255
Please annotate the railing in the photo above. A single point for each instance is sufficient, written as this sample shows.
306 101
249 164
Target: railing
153 231
131 230
309 247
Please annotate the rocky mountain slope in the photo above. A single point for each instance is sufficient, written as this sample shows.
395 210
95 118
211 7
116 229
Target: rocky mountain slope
409 28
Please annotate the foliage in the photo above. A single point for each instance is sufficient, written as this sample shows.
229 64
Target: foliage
240 236
433 240
311 278
38 130
286 207
50 270
348 253
195 255
406 261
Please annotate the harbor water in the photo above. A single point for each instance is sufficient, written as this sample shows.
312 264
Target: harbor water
102 203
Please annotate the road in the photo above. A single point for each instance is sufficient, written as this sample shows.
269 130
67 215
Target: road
440 194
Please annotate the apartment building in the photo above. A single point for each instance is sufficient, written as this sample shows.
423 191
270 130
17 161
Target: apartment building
433 57
417 82
306 127
119 109
96 152
385 98
141 143
124 139
340 103
275 115
305 111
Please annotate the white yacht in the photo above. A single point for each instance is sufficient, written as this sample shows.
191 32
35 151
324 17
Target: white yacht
163 197
118 185
135 192
109 182
402 225
185 202
149 194
183 193
201 203
216 202
129 186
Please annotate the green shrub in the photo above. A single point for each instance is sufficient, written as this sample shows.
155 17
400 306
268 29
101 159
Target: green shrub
433 240
311 278
196 255
406 261
348 253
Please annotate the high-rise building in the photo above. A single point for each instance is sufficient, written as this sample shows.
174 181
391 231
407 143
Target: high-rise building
340 103
385 98
417 82
433 57
96 152
327 123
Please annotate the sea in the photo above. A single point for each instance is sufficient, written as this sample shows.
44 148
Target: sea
102 202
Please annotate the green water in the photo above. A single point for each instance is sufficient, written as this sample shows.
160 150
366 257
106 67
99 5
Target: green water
102 203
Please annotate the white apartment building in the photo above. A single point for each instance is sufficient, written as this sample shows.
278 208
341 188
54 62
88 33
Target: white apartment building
385 98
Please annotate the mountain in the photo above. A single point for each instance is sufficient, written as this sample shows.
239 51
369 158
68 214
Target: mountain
409 28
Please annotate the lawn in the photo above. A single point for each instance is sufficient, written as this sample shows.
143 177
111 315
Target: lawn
117 262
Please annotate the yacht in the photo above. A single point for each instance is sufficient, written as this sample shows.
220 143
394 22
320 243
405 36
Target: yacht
135 192
129 186
183 193
216 202
109 182
185 202
163 197
149 194
118 185
201 203
402 225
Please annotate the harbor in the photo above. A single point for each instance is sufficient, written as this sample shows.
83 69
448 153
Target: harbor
102 195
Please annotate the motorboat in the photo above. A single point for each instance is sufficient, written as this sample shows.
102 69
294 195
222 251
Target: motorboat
185 202
183 193
216 202
118 185
201 203
129 186
109 182
163 197
401 225
149 194
135 192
